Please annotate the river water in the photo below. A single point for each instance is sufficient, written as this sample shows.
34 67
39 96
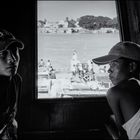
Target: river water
59 47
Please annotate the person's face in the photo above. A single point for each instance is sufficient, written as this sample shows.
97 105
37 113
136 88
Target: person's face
9 61
118 71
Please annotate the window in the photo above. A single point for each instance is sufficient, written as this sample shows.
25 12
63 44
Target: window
69 35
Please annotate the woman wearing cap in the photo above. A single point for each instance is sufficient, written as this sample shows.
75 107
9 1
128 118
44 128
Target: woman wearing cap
10 83
124 96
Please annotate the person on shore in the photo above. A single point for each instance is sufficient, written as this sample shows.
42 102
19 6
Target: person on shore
74 63
10 82
124 96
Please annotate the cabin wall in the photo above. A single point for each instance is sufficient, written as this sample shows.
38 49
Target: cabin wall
134 20
68 118
130 19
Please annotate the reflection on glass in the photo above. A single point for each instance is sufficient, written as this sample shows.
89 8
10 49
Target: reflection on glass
70 35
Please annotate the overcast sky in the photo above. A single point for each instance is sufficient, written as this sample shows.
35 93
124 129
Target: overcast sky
59 10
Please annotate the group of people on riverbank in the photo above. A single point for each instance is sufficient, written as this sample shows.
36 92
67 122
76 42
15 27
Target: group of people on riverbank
47 69
84 71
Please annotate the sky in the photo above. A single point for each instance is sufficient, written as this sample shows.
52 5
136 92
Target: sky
59 10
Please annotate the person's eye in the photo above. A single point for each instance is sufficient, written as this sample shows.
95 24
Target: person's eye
112 64
3 53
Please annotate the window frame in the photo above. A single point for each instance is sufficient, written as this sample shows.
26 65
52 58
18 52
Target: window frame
51 100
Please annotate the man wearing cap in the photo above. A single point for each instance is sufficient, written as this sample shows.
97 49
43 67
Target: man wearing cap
10 83
124 96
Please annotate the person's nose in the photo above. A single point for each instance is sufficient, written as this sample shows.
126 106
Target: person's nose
11 57
109 70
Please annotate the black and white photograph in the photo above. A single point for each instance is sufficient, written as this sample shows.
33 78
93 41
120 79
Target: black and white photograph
70 69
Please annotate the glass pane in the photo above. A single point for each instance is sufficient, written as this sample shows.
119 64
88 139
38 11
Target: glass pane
70 35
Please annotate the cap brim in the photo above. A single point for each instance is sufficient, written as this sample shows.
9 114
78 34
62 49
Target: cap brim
15 42
105 59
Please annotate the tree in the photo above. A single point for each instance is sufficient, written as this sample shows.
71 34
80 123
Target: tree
42 23
71 23
91 22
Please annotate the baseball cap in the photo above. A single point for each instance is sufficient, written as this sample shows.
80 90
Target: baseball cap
125 49
7 39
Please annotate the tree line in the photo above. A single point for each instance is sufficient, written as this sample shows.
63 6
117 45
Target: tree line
89 22
93 22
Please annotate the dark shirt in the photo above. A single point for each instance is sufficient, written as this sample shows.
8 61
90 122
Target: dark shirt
9 94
